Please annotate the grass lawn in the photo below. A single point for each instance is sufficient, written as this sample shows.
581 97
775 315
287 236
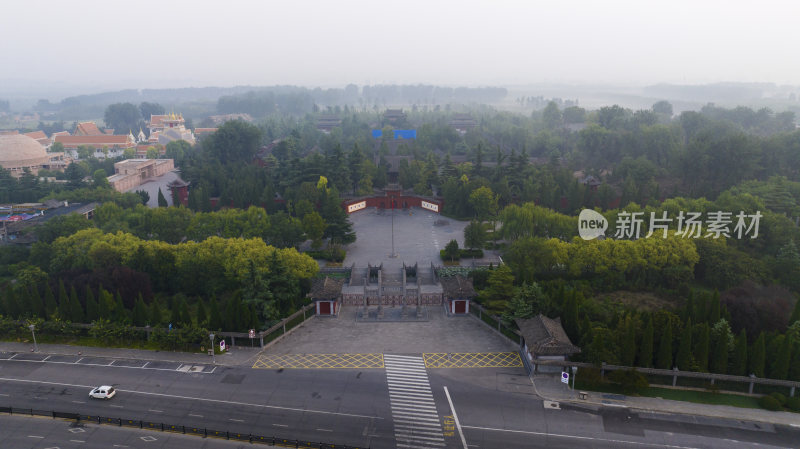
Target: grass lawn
700 397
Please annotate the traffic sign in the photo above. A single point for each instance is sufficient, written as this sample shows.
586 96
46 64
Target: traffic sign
564 377
252 333
221 345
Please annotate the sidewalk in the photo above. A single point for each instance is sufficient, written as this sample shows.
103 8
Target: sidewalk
550 388
239 355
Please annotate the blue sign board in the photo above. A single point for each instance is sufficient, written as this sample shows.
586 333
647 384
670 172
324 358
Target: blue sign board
376 133
405 134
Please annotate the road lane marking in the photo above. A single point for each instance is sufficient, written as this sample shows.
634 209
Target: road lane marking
237 420
280 425
578 437
78 441
190 398
196 416
115 406
34 436
79 402
156 411
455 418
325 430
414 414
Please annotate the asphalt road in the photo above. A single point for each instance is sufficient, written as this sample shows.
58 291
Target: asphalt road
492 408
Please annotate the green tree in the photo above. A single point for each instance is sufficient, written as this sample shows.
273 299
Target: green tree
551 116
202 315
314 227
780 366
646 348
701 347
739 360
162 201
36 304
483 202
795 313
92 307
156 317
758 355
664 358
569 317
451 250
100 179
76 314
50 304
123 117
721 343
627 341
214 315
684 358
500 288
140 317
474 235
152 153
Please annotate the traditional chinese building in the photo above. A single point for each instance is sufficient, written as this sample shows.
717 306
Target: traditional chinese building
131 173
326 294
88 129
545 338
168 128
180 191
457 294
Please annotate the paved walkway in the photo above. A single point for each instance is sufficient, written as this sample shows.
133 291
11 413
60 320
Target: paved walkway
550 388
236 356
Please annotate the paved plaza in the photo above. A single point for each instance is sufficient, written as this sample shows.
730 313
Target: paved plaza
344 335
417 237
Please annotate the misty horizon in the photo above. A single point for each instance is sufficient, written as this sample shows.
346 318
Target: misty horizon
317 44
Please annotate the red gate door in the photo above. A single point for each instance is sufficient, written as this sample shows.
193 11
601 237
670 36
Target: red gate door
324 308
461 307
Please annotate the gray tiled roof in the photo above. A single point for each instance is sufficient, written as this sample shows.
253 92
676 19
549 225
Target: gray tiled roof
545 336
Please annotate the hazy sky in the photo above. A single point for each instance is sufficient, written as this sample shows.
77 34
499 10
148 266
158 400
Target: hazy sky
171 43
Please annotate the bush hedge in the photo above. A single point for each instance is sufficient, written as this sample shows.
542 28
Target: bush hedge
770 403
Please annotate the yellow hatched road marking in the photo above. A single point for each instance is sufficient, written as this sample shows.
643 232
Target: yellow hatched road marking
319 361
472 360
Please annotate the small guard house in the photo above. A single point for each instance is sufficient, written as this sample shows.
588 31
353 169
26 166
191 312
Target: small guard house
326 294
545 339
457 292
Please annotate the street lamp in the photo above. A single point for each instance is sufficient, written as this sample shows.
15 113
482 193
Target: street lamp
35 346
213 357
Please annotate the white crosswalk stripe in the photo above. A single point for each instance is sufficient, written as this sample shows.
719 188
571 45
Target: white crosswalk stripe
416 421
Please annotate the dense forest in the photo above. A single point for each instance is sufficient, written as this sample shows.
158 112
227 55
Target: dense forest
522 179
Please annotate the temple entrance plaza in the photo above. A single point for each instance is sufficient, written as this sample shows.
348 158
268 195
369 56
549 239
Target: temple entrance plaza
419 234
438 334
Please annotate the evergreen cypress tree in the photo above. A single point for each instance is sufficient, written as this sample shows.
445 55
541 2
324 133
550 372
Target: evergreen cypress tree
175 312
688 309
758 355
646 348
714 309
50 304
739 361
36 304
214 315
570 317
139 312
684 358
4 303
155 314
628 343
186 316
162 201
795 313
63 298
12 305
105 302
202 315
119 312
780 366
75 308
664 359
702 346
92 307
700 305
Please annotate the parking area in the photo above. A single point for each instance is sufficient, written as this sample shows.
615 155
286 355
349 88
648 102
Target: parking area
38 357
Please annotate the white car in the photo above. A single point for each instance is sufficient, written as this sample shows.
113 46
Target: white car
103 392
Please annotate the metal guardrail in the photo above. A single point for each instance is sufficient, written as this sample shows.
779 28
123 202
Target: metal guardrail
186 430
